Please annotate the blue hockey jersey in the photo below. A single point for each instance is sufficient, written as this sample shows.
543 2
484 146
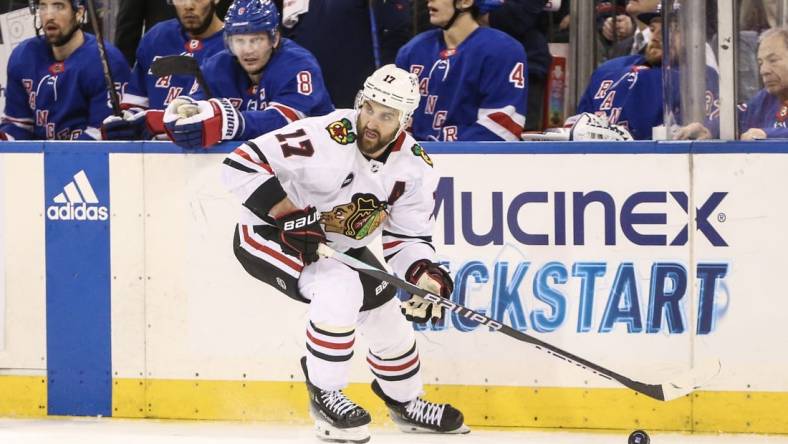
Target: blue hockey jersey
166 38
766 112
476 91
291 88
48 99
629 93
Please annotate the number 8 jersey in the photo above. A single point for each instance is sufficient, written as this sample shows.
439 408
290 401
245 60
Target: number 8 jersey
317 163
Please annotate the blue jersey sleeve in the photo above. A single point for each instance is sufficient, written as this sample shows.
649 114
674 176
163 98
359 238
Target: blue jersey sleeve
503 88
18 117
300 93
136 93
98 95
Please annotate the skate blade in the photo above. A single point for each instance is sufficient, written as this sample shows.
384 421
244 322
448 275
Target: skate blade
410 428
326 432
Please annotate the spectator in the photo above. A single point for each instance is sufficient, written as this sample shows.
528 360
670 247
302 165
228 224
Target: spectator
636 44
136 17
343 39
264 82
196 32
522 19
614 27
56 87
473 79
765 116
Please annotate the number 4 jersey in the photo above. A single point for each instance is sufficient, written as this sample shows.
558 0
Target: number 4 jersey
317 163
476 91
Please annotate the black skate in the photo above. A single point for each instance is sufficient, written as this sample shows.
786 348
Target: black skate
420 416
337 418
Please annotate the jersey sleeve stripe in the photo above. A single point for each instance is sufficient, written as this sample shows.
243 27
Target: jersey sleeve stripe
93 132
18 120
391 244
258 249
405 236
503 122
231 163
290 114
245 155
130 100
253 146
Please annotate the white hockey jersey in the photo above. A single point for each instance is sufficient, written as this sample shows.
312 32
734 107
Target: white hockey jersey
317 163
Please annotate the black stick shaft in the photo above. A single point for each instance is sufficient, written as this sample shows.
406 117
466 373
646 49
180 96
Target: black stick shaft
651 390
113 94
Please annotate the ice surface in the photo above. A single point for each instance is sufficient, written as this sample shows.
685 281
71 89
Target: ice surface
120 431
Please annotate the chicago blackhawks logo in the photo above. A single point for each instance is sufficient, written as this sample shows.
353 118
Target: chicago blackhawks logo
356 219
340 132
419 151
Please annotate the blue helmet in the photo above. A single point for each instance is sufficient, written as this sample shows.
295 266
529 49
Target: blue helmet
486 6
251 17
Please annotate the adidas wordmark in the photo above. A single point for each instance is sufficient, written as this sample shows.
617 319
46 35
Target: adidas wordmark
78 201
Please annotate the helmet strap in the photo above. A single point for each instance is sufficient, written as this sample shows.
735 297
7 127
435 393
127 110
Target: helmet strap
455 16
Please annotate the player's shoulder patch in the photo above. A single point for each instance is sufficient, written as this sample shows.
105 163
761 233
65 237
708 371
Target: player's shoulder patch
418 151
341 132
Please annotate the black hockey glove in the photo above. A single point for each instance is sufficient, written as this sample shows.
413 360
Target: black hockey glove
431 277
300 234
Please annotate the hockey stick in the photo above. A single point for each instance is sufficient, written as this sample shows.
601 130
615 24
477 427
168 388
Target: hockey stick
180 65
114 100
661 392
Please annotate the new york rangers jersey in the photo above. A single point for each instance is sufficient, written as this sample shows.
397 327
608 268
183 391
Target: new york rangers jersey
50 99
317 163
476 91
629 93
291 88
766 112
166 38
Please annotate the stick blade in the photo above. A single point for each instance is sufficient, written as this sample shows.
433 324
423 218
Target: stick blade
697 377
174 65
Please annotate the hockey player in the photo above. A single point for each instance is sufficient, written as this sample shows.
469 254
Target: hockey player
56 87
628 90
343 178
473 79
264 82
195 32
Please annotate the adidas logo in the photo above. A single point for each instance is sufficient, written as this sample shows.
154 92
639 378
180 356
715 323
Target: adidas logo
78 201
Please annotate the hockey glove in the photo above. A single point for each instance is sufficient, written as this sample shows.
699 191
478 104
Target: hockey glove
300 234
135 124
201 124
5 136
587 126
431 277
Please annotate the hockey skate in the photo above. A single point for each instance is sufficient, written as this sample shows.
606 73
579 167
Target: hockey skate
337 418
420 416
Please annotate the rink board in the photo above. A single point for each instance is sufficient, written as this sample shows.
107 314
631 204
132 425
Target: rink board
644 258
